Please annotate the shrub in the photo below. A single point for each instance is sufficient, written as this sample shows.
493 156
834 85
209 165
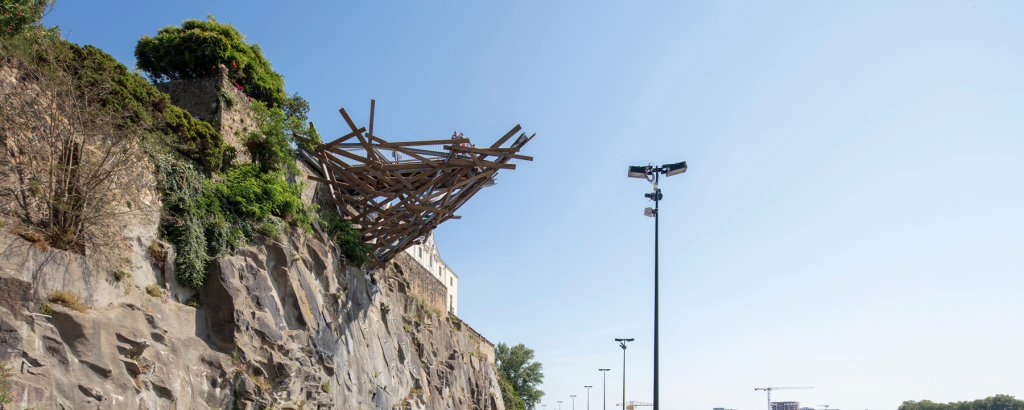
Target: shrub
270 229
46 309
121 275
198 48
197 140
253 194
194 301
67 298
349 240
158 253
19 16
128 92
268 144
154 291
326 386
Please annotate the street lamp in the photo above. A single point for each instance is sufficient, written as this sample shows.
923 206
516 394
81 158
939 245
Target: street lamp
651 173
588 396
604 389
559 405
574 401
622 344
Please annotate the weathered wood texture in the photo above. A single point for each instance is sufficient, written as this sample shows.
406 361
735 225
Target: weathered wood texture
395 193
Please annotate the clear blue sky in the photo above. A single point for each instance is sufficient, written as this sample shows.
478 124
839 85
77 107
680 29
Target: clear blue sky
851 220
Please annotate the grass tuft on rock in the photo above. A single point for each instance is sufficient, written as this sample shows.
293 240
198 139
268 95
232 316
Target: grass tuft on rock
67 298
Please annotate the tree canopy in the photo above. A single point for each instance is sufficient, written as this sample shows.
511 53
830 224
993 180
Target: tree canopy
521 373
198 48
19 16
997 402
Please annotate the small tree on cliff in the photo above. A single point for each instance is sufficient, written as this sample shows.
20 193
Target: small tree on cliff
521 372
198 48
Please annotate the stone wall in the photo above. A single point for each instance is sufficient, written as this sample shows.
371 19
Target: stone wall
482 344
422 282
216 101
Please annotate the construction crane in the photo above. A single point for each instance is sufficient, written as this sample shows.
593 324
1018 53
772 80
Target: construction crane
769 390
630 405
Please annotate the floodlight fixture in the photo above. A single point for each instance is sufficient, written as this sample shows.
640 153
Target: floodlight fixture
638 172
675 169
650 212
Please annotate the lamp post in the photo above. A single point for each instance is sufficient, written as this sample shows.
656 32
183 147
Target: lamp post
622 344
588 396
559 405
652 173
604 389
574 401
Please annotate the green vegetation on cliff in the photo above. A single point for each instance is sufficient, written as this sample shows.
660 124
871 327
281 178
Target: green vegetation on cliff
20 16
349 240
198 48
211 205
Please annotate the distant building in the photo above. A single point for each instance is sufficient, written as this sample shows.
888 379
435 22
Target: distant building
722 408
426 255
807 408
785 405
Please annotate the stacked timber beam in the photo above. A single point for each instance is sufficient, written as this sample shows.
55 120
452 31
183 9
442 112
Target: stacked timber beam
395 193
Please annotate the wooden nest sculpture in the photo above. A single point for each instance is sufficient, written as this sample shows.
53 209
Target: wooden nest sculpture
395 193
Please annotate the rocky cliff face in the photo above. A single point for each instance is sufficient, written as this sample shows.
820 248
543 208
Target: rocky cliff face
282 324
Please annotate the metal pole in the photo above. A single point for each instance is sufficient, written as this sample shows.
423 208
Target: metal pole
588 396
604 389
574 401
657 193
623 375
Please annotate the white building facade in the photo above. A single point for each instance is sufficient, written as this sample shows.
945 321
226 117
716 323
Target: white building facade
427 256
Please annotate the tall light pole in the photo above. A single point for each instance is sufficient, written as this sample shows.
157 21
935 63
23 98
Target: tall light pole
574 401
604 389
588 396
622 344
652 173
559 405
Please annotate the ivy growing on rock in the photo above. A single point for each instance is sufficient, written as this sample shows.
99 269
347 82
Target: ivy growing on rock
207 219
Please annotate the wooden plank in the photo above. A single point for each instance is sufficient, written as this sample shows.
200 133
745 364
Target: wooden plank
425 142
478 176
347 136
487 164
487 151
506 136
349 155
373 103
429 209
380 143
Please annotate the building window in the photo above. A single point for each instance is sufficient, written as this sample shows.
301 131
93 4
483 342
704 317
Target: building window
451 303
451 282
